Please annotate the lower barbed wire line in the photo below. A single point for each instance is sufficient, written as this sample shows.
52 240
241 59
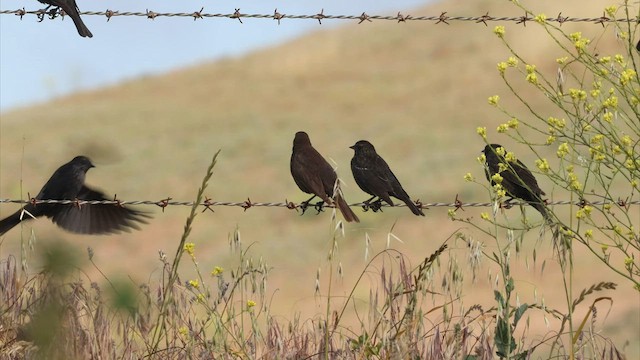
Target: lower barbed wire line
442 18
248 203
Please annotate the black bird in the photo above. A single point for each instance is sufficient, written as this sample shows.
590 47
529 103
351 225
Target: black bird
313 175
70 8
517 180
375 178
67 183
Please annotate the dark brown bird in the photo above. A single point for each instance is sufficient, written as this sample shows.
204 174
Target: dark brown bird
70 8
374 176
313 175
67 183
517 180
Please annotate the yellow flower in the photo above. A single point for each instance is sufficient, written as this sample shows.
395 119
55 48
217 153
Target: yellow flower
500 151
497 178
502 128
627 75
634 183
556 123
597 139
484 216
510 157
482 159
610 102
575 36
468 177
628 261
563 150
611 10
562 60
540 18
194 284
577 94
189 248
551 139
502 66
605 60
250 304
493 100
512 61
499 30
608 117
532 79
183 331
217 270
513 123
573 182
200 298
482 131
451 213
543 165
588 234
500 192
619 59
626 140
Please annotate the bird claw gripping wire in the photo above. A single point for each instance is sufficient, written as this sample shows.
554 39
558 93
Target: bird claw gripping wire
375 206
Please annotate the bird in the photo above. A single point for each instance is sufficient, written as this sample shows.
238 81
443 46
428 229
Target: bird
517 180
313 175
374 177
68 183
70 8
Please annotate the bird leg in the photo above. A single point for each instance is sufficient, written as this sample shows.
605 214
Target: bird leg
376 205
507 204
305 204
319 206
366 204
43 12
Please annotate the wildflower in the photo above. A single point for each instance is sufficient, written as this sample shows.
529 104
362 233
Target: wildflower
628 261
194 284
619 59
500 192
551 139
502 128
482 131
597 139
452 214
605 60
608 117
563 150
540 18
502 66
611 102
500 151
513 123
493 100
250 304
588 234
189 248
562 60
497 178
630 164
543 165
482 159
611 10
512 61
577 94
575 36
200 298
183 331
217 270
484 216
510 157
468 177
634 183
532 78
499 30
626 140
573 182
626 76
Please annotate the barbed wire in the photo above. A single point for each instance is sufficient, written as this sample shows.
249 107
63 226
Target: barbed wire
208 203
443 18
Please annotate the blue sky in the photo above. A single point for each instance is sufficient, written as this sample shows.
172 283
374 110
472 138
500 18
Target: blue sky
40 61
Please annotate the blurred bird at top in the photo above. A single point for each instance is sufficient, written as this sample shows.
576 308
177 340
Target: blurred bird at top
517 180
67 183
374 177
314 175
70 8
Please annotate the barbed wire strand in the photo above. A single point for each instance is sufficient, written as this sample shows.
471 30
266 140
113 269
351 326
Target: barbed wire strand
443 18
208 203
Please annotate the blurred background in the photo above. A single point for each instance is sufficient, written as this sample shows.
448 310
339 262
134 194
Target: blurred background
151 102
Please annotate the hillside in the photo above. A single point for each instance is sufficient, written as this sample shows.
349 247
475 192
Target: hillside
417 91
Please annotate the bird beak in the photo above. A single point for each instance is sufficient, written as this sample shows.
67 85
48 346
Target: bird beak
352 147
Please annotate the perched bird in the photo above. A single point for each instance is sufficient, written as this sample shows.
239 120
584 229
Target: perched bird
67 183
70 8
313 175
517 180
375 178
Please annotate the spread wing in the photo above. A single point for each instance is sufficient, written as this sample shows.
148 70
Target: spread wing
96 219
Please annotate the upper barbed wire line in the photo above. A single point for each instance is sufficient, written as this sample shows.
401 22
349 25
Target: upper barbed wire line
442 18
248 203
